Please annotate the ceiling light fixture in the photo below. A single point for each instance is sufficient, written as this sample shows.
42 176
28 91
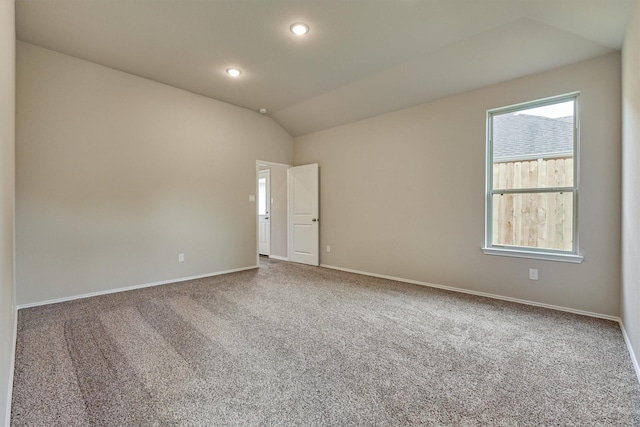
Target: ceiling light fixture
299 28
233 72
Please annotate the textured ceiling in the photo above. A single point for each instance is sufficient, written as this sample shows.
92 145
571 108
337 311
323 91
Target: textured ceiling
361 57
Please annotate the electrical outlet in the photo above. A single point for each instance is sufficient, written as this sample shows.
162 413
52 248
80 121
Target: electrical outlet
180 257
533 274
328 248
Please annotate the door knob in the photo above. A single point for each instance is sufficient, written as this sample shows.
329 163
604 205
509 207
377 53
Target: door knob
316 219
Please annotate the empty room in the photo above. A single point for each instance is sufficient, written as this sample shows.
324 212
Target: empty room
319 212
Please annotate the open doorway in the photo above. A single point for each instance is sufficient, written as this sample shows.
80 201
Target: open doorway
272 210
264 206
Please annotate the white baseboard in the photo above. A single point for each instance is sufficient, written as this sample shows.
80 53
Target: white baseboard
481 294
281 258
634 359
130 288
12 364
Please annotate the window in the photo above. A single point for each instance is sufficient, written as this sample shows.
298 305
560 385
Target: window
532 180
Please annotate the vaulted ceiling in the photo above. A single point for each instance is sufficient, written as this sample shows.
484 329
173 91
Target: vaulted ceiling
361 57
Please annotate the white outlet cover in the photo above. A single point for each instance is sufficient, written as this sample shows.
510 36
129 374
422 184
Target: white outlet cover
533 273
252 197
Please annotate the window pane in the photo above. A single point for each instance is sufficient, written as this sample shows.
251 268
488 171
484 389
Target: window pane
535 220
533 148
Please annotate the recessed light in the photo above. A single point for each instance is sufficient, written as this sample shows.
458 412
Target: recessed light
299 28
233 72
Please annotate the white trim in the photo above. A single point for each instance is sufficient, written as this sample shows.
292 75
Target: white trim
14 309
531 157
130 288
522 253
634 359
481 294
12 364
265 163
556 99
281 258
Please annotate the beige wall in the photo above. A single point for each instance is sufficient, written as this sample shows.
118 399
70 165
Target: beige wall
7 173
630 311
402 194
117 174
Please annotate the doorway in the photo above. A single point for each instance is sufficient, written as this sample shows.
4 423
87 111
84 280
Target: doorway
271 210
264 206
287 212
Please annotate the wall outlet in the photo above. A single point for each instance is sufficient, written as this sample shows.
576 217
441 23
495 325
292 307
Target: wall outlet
180 257
252 197
533 274
328 248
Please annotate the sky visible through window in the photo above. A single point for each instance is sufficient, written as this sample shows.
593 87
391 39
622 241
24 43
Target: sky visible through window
563 109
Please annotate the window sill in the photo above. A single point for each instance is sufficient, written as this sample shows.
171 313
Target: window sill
523 253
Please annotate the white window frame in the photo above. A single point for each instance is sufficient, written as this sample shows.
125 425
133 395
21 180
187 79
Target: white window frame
529 252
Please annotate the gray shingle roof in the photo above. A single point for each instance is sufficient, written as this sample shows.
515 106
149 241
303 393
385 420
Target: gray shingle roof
524 136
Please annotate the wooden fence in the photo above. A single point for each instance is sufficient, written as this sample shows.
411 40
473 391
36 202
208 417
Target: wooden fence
543 220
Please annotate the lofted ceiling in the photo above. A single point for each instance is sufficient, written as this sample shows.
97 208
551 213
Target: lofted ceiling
361 57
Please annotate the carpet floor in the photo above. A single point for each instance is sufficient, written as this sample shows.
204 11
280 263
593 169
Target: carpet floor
289 344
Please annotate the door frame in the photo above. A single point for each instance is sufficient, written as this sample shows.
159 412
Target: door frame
257 217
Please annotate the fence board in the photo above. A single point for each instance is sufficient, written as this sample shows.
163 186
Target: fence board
534 220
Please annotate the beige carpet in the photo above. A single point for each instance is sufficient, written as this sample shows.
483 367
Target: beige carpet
289 344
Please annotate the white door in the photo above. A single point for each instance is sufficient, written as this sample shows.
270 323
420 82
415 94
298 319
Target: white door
264 206
304 223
